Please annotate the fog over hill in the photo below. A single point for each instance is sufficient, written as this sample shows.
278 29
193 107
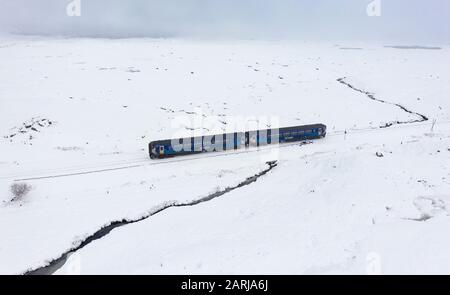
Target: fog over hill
412 21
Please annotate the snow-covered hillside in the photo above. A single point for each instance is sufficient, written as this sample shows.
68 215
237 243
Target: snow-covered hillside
77 116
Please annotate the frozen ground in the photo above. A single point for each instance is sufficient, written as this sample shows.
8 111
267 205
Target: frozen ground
77 115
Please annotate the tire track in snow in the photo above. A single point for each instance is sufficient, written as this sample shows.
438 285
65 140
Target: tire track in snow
422 118
53 265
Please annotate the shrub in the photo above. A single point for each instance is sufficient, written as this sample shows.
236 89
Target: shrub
19 191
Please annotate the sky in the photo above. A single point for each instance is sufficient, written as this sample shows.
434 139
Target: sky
413 21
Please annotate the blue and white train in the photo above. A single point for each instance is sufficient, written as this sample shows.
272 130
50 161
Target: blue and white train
233 141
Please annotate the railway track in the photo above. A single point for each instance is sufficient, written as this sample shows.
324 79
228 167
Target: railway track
145 161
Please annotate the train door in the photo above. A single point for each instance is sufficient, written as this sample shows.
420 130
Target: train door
161 150
252 138
240 140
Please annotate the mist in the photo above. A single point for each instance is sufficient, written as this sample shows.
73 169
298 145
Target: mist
415 21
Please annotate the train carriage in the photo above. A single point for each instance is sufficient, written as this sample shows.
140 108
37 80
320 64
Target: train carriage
232 141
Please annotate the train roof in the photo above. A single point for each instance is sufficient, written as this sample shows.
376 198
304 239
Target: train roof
303 127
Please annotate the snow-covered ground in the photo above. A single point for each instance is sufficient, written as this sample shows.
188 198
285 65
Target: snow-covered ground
77 116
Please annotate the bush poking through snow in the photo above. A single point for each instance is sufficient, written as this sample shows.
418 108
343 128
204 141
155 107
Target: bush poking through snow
19 191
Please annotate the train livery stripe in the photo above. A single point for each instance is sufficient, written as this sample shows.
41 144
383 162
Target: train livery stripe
230 141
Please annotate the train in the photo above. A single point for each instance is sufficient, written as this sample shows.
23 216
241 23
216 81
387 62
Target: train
232 141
